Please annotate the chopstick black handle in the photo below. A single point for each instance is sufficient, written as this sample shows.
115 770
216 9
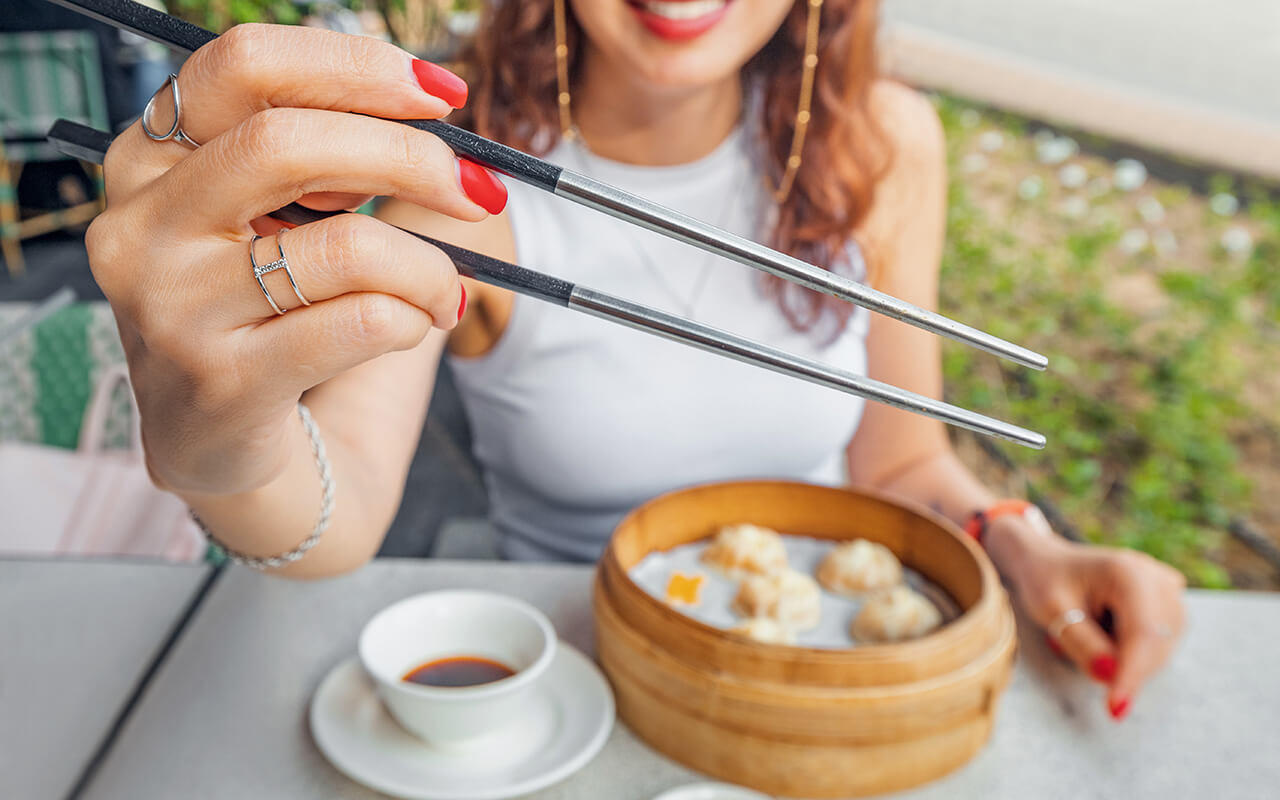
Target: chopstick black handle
80 141
146 22
503 274
181 35
507 160
471 264
89 144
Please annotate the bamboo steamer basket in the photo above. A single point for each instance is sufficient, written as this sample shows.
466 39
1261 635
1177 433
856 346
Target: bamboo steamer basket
793 721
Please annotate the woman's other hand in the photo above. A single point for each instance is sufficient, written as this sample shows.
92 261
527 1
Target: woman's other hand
1142 596
216 371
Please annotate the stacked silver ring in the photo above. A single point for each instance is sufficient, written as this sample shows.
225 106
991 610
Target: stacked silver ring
280 263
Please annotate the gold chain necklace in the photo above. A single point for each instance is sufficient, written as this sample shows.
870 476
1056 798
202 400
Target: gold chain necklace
803 106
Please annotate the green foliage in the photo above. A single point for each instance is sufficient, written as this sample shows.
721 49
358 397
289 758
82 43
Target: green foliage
1263 271
1142 408
218 15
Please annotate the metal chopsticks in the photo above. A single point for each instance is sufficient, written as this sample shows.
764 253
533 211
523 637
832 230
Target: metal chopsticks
184 36
91 145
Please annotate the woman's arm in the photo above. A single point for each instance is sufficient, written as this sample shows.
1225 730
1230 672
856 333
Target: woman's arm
910 456
903 234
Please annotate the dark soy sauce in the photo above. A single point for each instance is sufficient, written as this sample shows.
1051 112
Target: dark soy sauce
458 671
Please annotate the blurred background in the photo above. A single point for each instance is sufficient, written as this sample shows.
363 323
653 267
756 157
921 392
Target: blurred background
1114 203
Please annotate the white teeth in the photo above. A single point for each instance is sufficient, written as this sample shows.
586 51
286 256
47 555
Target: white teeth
689 10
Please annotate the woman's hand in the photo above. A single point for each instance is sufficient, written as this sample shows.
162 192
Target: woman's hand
217 373
1051 576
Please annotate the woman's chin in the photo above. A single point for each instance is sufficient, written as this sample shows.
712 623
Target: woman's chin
685 65
687 73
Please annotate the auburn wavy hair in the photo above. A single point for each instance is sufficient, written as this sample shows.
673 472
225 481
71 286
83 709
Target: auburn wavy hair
511 69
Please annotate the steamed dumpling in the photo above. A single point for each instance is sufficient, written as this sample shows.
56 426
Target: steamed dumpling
766 630
859 567
751 549
788 597
894 615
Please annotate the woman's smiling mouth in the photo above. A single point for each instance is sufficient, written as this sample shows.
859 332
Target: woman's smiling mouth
679 20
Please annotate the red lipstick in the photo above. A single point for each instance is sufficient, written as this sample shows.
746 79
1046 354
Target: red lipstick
679 20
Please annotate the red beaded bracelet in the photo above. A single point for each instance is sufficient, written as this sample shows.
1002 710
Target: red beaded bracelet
978 522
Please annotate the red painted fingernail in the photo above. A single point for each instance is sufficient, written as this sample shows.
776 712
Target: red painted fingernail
1103 668
1054 646
482 186
462 307
440 82
1118 708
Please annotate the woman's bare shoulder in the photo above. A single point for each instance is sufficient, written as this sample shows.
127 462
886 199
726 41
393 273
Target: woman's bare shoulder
912 189
909 123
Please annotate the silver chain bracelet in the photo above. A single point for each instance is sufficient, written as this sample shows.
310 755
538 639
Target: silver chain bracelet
326 508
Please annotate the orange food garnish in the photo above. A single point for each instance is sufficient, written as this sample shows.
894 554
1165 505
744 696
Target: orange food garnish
684 589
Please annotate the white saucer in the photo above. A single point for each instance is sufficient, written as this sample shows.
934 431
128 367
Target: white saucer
565 728
711 791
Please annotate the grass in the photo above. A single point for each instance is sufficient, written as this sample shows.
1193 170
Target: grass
1163 335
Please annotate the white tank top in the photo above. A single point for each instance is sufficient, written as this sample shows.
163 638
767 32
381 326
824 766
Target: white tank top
577 420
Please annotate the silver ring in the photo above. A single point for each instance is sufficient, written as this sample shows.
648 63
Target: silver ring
280 263
175 131
1065 620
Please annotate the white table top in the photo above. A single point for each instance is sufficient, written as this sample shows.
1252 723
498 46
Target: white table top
75 638
226 715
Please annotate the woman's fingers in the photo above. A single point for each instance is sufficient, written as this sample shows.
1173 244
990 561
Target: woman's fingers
254 67
345 254
334 201
281 154
304 348
132 162
1089 648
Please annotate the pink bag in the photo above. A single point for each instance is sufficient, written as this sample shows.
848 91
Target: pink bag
91 501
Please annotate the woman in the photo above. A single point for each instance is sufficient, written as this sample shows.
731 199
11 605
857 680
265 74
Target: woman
762 116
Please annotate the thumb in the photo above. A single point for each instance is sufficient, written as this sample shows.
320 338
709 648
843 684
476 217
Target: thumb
1140 653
